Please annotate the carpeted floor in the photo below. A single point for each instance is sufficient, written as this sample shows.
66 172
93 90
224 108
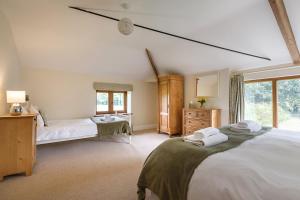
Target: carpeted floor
84 170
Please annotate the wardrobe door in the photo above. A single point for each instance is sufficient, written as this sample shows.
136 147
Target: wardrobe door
164 105
175 105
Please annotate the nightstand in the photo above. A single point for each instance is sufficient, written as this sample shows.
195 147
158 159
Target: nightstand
17 144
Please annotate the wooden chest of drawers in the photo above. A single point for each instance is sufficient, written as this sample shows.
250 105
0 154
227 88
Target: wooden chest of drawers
195 119
17 144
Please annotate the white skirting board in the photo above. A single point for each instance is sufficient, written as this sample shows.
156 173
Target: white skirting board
144 127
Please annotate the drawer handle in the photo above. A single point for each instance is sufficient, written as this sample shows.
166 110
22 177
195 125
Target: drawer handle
20 158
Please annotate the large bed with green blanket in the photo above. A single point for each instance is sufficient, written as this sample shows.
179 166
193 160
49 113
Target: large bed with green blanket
244 167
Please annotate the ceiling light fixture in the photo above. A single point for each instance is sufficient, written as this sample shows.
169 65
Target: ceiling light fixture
125 5
125 25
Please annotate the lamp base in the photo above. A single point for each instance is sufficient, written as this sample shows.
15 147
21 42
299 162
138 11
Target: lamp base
15 109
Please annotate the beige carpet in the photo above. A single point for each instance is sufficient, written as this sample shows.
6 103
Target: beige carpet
83 170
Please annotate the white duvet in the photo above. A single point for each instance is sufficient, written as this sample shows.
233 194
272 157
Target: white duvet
61 130
264 168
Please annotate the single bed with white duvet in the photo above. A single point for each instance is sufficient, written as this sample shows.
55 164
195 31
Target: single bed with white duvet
64 130
264 168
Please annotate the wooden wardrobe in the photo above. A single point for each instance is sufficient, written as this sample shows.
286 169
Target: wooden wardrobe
170 89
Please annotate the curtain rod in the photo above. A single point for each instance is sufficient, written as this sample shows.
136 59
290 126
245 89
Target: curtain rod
173 35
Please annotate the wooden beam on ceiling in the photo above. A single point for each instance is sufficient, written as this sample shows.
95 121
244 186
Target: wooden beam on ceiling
154 67
284 24
171 35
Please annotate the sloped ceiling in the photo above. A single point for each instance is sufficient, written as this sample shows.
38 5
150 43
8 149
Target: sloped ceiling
50 35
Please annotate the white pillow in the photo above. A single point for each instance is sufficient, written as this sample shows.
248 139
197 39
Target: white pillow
39 119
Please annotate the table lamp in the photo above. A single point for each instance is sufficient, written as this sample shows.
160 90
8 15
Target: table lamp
15 98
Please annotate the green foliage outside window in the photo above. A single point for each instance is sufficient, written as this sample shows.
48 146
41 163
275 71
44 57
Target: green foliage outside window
258 101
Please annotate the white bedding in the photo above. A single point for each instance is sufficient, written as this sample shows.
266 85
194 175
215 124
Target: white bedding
62 130
265 168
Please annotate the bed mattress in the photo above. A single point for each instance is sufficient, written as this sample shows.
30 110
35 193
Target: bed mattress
266 167
62 130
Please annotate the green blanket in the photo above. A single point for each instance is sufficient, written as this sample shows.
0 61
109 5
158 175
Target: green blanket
112 128
168 169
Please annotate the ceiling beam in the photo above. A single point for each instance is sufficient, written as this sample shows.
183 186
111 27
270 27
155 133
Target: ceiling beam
174 35
284 24
154 67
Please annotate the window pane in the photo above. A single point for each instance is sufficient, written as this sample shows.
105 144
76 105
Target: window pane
102 101
288 92
258 102
118 99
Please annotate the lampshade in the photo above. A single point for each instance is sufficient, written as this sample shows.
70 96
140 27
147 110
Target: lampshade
15 96
125 26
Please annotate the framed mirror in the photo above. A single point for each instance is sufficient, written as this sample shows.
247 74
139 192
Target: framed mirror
207 85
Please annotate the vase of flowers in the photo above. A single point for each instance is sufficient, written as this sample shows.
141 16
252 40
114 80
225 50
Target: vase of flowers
202 101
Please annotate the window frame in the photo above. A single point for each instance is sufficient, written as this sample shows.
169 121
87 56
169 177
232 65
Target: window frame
111 102
274 93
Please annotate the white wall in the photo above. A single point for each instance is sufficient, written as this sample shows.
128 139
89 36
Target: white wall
64 95
9 63
221 102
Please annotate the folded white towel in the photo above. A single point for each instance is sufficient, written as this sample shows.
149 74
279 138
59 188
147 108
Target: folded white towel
251 128
207 141
242 124
206 132
243 130
248 124
215 139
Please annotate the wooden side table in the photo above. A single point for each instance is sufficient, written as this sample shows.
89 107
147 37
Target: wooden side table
17 144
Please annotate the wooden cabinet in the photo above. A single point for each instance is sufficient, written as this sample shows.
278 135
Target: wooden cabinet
170 104
17 144
195 119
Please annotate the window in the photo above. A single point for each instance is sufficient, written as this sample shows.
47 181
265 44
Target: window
102 102
110 102
258 102
118 99
288 92
274 102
